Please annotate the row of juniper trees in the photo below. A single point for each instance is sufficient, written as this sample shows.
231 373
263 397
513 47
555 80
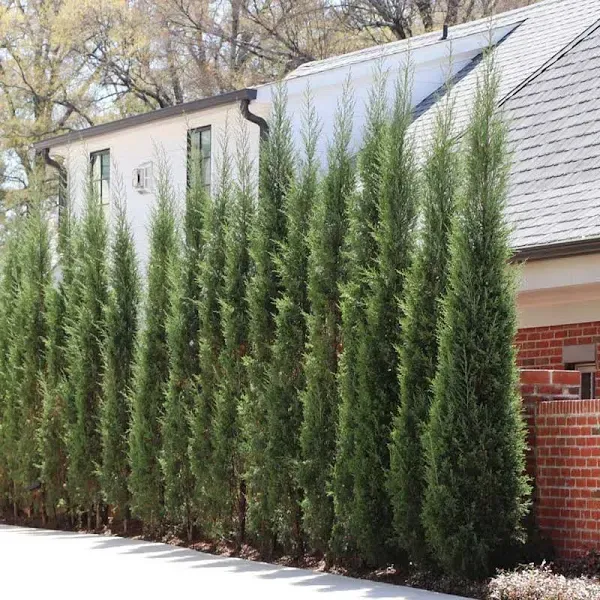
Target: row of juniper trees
323 365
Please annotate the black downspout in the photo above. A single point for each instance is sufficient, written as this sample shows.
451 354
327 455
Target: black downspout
62 176
262 124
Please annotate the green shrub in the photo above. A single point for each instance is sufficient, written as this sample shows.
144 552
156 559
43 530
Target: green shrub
208 492
183 328
327 230
417 349
227 461
151 371
477 491
276 172
119 354
87 330
286 372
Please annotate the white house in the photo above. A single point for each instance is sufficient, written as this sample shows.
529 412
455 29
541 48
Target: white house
548 55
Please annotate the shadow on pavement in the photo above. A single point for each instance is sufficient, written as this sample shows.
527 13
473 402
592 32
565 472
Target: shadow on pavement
320 582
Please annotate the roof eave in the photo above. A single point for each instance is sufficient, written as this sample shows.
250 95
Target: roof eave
559 250
149 117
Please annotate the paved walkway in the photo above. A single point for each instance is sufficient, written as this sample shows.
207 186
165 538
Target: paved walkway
37 563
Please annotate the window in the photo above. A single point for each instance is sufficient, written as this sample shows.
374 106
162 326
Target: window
100 173
199 156
588 383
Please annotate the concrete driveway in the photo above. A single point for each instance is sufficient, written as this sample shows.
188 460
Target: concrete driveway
36 563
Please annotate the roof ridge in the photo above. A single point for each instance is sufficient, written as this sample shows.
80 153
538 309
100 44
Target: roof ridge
399 46
551 61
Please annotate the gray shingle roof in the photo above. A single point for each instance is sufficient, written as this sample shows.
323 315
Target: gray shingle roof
554 116
374 53
555 137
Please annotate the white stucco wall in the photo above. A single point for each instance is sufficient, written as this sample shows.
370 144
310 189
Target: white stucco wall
559 291
133 146
551 292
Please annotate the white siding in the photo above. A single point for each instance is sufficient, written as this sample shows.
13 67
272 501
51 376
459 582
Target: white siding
131 147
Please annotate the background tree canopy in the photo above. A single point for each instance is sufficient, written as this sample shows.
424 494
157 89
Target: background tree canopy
67 64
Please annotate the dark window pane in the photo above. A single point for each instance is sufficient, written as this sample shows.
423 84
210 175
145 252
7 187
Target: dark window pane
206 143
100 173
587 386
199 156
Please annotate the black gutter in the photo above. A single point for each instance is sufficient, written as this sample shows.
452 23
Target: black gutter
149 117
249 116
62 175
560 250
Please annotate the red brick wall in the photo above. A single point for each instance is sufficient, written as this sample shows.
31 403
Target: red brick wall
564 458
541 347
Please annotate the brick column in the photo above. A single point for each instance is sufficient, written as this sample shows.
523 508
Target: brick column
564 459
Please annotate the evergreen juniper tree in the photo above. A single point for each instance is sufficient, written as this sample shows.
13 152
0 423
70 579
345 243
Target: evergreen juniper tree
376 368
286 374
268 231
182 338
86 337
151 370
227 464
119 352
53 426
326 233
361 253
10 422
210 344
417 351
31 305
475 442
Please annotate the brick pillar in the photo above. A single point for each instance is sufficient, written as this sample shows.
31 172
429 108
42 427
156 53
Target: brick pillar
542 386
563 459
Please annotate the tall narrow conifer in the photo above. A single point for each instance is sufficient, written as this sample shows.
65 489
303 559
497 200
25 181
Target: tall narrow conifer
361 254
268 231
476 487
10 421
286 373
417 351
227 465
119 352
376 367
86 367
183 337
53 426
327 230
31 335
210 342
151 371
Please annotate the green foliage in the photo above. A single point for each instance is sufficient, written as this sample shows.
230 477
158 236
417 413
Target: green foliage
476 487
268 231
53 426
417 350
9 408
86 336
286 373
361 255
31 334
377 397
227 465
326 270
118 354
183 337
151 371
210 343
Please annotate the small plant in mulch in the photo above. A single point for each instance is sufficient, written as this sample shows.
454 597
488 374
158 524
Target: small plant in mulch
541 583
